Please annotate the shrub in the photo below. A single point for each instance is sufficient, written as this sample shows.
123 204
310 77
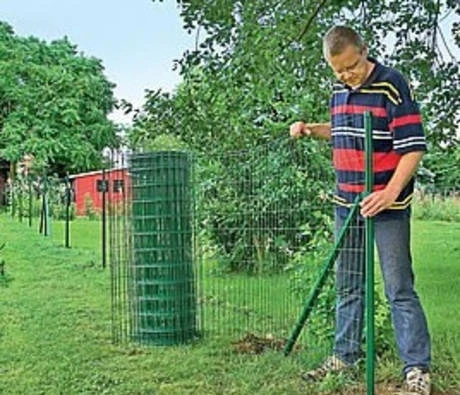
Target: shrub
59 211
90 211
305 269
437 207
254 203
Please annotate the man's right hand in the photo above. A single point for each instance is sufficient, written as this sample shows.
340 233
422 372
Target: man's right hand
299 129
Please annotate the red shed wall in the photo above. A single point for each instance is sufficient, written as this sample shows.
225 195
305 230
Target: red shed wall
86 185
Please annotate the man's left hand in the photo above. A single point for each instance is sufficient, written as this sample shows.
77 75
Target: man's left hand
376 202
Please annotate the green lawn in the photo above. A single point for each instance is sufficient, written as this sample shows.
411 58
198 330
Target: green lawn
55 330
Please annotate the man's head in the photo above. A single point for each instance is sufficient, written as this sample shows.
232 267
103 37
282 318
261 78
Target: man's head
346 53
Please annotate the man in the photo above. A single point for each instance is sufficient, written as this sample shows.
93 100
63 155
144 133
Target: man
399 144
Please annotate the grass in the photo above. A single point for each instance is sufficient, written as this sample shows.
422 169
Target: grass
55 330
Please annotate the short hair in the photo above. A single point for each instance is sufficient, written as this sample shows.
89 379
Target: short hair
338 38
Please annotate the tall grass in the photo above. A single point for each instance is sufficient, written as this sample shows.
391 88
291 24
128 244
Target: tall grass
437 207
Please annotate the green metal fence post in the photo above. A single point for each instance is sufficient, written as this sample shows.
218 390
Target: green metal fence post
104 219
369 256
68 197
31 196
20 198
321 280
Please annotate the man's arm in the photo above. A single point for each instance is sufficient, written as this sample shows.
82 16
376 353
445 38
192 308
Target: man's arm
381 200
317 130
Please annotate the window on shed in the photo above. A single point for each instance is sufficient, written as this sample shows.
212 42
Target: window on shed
118 185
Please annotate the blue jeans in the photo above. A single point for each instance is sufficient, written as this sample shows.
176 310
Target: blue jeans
411 330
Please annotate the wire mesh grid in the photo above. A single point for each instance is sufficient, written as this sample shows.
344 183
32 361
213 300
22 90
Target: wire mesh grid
255 228
255 238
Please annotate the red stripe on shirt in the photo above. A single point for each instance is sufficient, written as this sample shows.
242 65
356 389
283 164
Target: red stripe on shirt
355 109
405 120
359 187
353 160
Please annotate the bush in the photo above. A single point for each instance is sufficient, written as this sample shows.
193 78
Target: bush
164 142
90 211
437 207
59 211
254 203
306 268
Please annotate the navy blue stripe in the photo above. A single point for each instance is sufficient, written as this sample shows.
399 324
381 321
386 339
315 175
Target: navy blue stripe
360 99
405 131
350 142
356 120
358 177
411 148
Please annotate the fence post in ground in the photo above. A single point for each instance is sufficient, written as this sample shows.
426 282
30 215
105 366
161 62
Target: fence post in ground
104 219
45 225
68 198
29 184
369 257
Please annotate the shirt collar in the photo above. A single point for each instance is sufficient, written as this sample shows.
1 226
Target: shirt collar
374 73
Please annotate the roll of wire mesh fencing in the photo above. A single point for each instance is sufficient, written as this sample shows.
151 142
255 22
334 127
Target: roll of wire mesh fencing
163 281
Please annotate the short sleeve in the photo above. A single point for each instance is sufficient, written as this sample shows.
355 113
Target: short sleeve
405 121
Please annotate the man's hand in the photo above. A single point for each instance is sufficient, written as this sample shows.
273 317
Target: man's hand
299 129
381 200
317 130
377 202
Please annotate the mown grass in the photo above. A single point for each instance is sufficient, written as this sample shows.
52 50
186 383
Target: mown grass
55 330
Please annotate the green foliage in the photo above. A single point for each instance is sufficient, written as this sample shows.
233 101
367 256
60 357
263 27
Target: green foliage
59 211
27 189
90 211
444 163
437 207
384 333
256 68
305 269
259 64
253 204
164 142
53 103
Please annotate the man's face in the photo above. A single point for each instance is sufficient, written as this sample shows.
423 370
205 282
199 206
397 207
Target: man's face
350 66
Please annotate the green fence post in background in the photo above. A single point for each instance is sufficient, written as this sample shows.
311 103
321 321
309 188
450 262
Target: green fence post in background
369 257
31 196
68 198
163 280
45 226
104 218
20 199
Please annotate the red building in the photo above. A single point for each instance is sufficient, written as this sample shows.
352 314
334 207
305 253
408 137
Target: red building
90 185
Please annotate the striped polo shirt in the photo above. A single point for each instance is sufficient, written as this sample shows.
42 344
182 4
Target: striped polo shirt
397 130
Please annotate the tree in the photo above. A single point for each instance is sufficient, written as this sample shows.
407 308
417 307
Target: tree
259 66
54 103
